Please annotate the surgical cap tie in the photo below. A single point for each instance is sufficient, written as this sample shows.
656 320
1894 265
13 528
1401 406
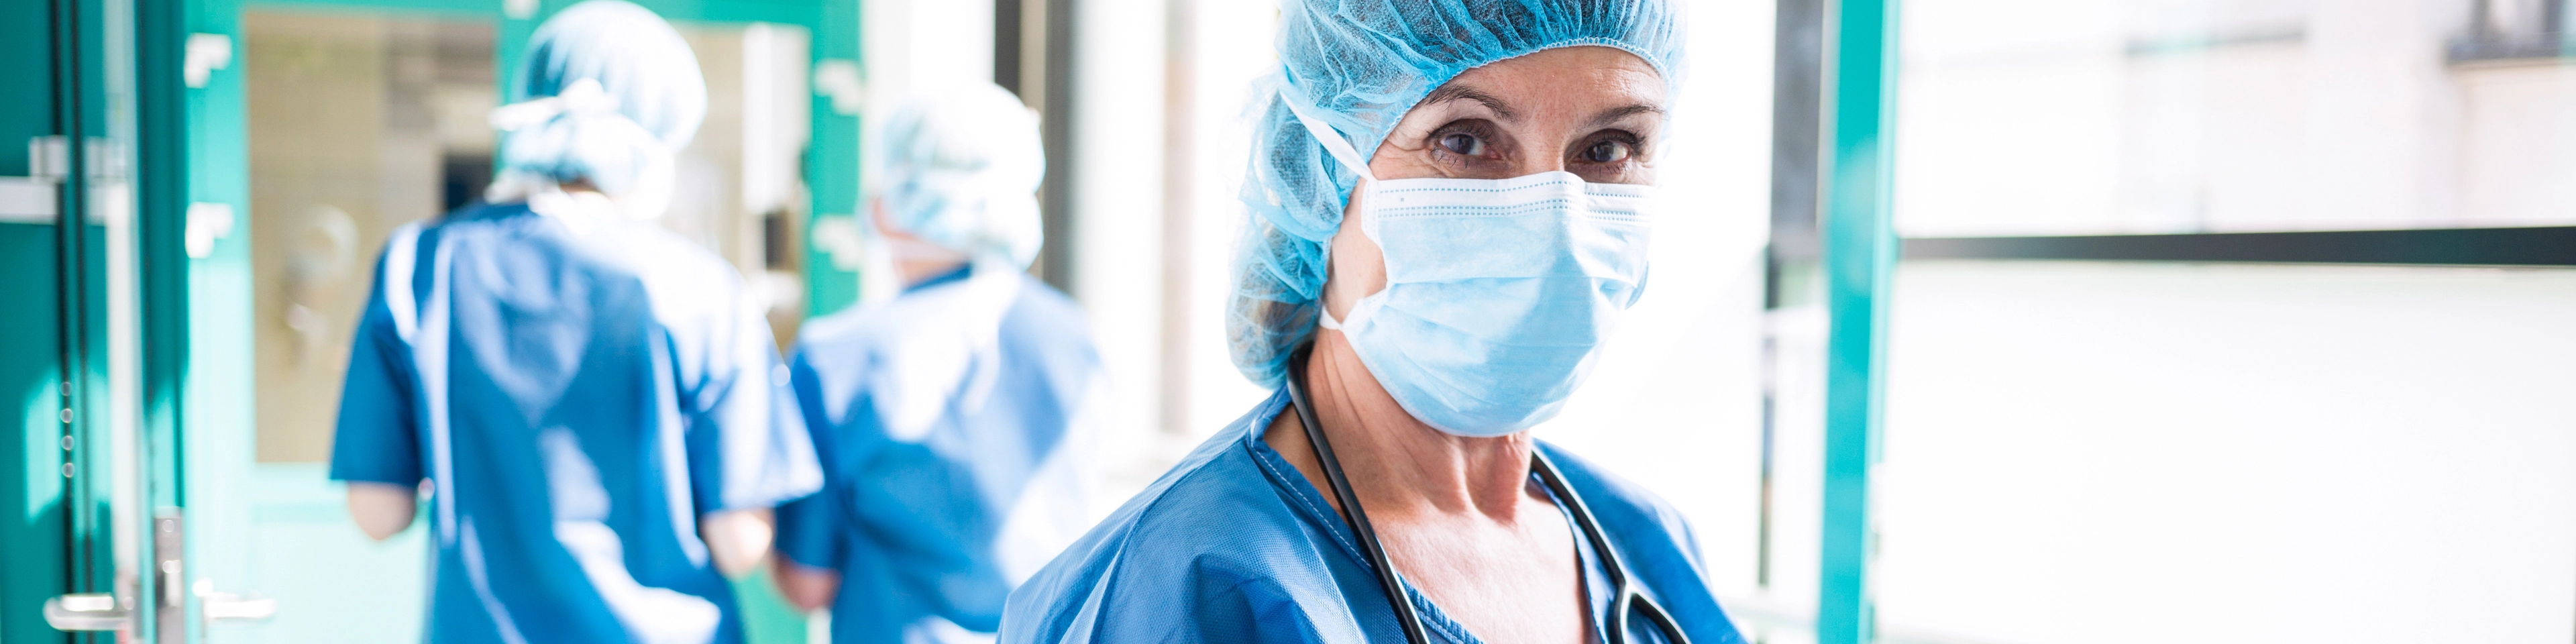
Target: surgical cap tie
582 99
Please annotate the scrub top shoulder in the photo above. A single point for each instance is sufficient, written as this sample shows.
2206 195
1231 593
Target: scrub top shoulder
576 392
952 422
1234 545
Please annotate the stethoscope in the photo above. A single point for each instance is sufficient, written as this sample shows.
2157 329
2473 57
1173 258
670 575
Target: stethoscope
1625 601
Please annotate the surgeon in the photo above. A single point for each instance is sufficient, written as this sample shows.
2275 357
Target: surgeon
1450 202
954 420
592 406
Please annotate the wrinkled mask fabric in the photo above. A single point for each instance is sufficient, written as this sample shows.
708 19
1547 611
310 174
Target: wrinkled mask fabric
1499 292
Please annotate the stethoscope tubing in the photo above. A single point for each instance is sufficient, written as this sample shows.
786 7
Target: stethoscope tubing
1625 597
1386 578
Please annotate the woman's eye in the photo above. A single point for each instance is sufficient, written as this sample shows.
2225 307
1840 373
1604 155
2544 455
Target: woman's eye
1607 152
1462 143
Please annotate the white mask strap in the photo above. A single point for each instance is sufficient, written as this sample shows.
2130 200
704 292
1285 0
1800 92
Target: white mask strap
1324 317
1333 141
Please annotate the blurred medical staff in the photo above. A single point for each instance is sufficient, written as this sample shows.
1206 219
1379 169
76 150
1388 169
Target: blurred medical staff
595 405
954 420
1449 206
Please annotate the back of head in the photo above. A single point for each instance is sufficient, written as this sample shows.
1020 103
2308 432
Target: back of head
959 167
608 90
1359 66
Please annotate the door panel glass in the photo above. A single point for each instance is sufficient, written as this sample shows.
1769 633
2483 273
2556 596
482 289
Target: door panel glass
354 122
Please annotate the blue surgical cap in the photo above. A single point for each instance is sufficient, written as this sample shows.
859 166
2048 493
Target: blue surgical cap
654 96
959 167
1361 65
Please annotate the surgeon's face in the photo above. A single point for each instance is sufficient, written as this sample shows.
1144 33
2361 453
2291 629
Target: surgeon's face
1591 111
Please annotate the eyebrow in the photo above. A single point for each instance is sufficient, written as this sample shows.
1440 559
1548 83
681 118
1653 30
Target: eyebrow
1455 93
1462 93
1613 115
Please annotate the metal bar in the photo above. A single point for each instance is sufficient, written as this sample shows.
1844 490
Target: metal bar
161 202
1180 127
1859 256
2537 246
1797 95
1057 201
1009 36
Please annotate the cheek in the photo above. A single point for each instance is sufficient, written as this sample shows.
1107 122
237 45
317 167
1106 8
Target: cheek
1357 262
1358 266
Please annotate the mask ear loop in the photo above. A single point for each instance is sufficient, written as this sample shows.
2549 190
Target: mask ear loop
1339 148
1333 142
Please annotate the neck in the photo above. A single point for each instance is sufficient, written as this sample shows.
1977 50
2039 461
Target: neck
918 271
1397 465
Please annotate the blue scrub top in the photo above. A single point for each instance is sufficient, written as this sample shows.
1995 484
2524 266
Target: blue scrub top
1234 545
578 391
951 422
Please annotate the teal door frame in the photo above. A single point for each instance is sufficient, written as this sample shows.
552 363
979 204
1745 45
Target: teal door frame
69 136
198 366
1859 257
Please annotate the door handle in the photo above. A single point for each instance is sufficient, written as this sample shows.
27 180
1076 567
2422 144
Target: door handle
236 607
101 612
87 612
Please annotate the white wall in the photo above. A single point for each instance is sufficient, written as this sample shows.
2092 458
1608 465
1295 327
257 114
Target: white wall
2153 453
905 41
1118 208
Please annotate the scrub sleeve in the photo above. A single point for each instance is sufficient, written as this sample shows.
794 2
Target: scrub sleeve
810 529
747 444
377 438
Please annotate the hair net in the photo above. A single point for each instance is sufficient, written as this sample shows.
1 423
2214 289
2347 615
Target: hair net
960 168
608 92
1360 65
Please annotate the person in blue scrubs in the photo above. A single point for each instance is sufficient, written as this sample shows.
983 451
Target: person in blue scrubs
954 420
1420 308
593 406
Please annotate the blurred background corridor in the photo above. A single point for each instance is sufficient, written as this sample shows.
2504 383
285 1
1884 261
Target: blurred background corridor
2240 321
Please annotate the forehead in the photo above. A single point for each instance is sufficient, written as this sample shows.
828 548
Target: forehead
1562 79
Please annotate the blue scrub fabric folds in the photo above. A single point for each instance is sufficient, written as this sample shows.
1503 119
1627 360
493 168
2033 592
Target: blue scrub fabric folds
1234 545
954 423
576 401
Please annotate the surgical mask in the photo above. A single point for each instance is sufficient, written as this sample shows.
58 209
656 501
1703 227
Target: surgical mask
1499 292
